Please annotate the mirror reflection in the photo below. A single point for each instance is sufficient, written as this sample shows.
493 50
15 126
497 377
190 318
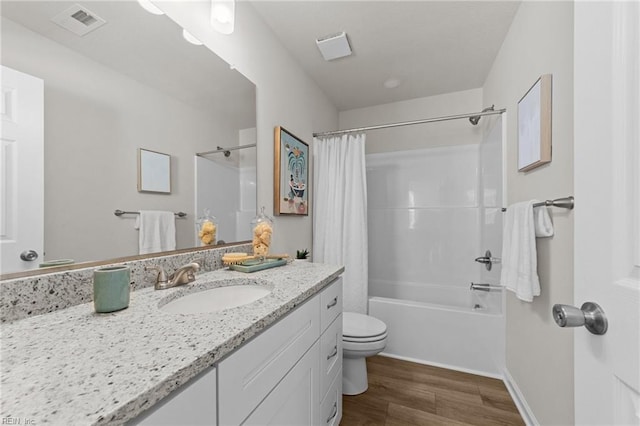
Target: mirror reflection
130 82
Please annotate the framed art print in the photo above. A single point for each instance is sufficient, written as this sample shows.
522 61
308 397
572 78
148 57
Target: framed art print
534 125
154 171
291 174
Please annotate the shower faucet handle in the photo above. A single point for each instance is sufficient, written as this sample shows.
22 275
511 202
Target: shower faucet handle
488 260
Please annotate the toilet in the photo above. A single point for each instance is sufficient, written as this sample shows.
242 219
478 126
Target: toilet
362 336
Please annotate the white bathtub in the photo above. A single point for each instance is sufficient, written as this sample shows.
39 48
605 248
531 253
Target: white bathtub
442 325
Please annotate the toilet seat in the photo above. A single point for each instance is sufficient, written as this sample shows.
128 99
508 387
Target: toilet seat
358 327
368 339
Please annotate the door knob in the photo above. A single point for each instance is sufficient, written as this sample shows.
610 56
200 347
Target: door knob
29 255
590 315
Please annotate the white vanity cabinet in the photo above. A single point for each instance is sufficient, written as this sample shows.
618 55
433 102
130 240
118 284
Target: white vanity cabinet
330 411
251 373
287 374
291 373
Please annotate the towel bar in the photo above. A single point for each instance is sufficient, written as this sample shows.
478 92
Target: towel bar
121 212
565 203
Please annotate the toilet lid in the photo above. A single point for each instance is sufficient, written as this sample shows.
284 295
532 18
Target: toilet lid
359 325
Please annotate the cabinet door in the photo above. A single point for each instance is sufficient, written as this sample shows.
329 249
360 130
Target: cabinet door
295 400
249 374
193 404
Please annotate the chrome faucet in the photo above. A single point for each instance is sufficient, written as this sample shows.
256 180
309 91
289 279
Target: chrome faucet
183 275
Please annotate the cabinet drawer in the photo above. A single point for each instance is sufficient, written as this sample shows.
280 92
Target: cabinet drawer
248 375
330 303
330 354
331 406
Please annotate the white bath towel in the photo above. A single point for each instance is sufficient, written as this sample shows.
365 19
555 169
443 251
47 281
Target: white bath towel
519 259
542 222
157 231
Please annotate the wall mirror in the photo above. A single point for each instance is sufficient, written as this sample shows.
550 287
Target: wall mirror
133 82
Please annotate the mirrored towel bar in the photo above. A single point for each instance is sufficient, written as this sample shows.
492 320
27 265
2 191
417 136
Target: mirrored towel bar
565 203
121 212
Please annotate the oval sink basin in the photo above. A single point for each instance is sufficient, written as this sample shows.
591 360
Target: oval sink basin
216 299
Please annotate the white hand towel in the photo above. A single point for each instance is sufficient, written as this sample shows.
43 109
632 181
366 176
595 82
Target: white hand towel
519 258
157 231
542 221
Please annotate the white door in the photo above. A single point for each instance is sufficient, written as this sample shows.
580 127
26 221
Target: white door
607 209
21 171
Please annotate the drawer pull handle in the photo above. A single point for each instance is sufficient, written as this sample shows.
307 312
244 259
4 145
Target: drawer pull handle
333 353
334 412
333 303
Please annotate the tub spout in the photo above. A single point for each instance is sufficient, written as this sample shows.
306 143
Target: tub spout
484 287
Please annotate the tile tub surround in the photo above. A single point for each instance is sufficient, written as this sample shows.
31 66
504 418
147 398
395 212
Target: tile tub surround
41 294
74 366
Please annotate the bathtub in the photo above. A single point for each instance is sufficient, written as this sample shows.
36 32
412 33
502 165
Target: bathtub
442 325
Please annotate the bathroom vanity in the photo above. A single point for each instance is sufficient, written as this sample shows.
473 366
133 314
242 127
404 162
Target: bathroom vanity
273 361
289 374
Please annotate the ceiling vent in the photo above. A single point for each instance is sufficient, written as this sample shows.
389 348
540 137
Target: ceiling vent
79 20
334 46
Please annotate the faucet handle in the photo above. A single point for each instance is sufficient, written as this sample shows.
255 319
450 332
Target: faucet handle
161 278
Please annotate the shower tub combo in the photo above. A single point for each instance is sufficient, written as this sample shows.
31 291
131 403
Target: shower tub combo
443 325
431 212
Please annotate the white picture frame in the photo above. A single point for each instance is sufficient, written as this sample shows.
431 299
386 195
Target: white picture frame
154 171
534 125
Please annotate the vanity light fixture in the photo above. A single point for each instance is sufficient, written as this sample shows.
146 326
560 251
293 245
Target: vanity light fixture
223 15
191 38
150 7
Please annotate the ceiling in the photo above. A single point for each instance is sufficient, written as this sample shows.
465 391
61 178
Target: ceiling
431 47
150 49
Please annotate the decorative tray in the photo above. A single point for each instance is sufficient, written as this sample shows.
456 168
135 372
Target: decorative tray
258 265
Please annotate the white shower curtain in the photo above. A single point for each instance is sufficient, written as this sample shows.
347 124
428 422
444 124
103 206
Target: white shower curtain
340 213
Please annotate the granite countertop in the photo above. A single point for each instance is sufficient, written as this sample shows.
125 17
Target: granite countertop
74 366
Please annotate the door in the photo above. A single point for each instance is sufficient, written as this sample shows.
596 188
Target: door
607 212
21 171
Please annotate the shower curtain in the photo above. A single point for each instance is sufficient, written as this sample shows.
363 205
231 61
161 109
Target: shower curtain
340 213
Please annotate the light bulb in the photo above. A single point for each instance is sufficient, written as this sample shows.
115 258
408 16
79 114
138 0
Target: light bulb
221 13
150 7
191 38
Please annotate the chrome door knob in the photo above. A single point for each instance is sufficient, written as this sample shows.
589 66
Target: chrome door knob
590 315
29 255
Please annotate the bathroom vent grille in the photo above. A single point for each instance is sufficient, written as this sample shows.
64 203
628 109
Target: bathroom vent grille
79 20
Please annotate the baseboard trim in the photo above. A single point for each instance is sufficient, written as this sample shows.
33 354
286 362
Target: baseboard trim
518 399
448 367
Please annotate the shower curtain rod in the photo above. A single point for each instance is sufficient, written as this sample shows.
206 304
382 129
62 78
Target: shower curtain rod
202 154
410 123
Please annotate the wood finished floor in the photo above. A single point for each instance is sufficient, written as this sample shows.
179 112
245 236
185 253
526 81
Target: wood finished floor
406 393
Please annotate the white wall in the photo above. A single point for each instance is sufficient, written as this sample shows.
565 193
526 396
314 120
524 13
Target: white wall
539 355
286 96
446 133
95 121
